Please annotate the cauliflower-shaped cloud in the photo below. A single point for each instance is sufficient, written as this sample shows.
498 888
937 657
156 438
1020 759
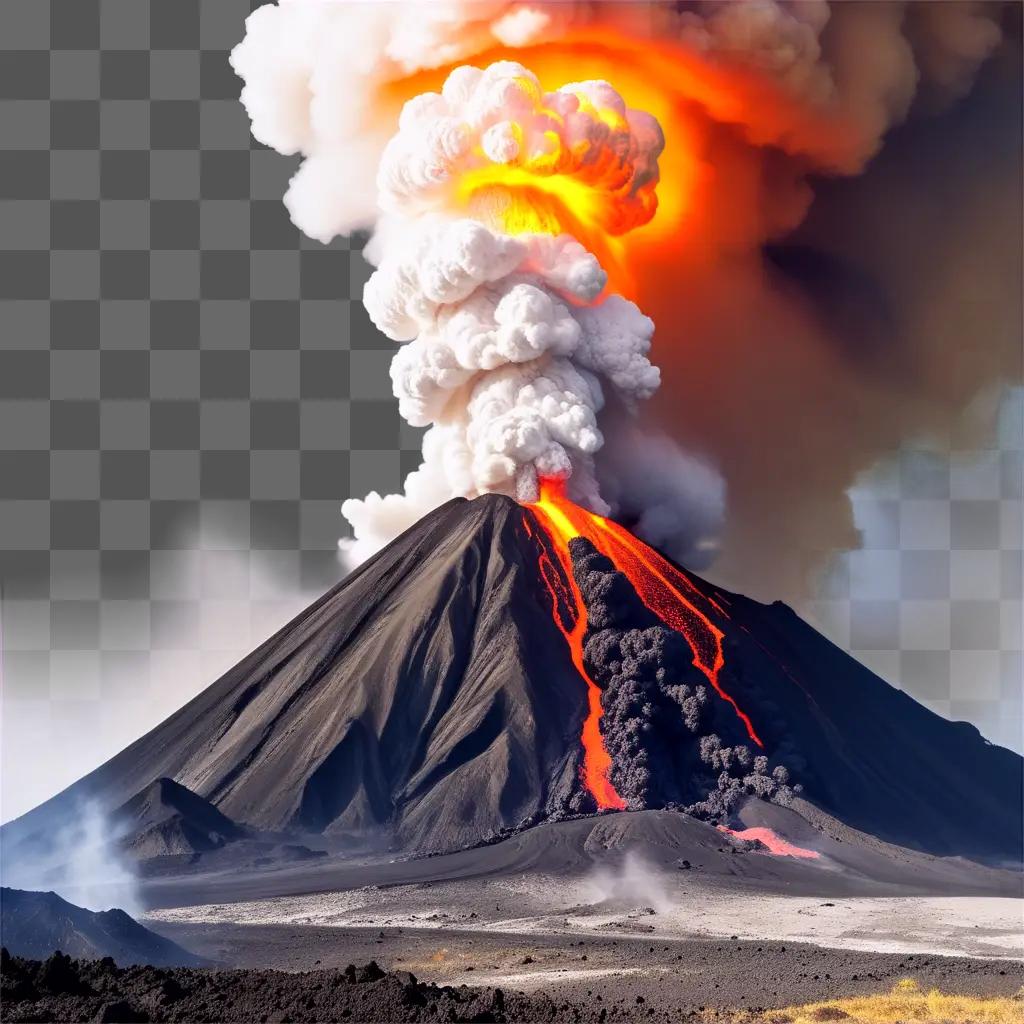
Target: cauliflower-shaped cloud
506 356
498 129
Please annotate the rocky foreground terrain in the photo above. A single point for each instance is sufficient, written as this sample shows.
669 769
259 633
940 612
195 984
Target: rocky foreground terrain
63 989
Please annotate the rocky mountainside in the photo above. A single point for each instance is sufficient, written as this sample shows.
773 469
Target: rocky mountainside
431 697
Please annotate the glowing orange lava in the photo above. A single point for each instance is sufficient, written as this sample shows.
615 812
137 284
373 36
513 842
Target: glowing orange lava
775 844
663 588
686 94
567 600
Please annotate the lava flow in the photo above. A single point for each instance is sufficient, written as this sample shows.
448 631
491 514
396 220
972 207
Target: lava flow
666 591
772 842
566 598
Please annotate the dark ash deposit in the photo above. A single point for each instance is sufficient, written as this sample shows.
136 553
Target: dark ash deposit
673 742
62 989
697 981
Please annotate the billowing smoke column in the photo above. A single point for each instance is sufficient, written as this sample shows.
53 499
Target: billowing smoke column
790 373
509 343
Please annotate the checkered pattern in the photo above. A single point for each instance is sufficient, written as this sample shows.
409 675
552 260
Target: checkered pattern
932 601
188 390
180 370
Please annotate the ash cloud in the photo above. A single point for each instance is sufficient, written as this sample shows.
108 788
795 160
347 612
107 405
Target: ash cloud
844 274
890 317
672 498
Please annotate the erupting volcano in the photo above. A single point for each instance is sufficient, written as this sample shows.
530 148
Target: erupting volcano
505 653
500 665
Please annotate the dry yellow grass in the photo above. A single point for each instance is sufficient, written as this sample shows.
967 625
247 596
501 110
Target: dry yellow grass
906 1004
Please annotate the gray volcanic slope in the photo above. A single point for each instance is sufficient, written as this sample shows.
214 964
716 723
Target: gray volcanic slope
167 819
430 688
431 694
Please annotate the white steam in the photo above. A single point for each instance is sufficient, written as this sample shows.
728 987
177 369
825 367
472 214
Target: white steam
312 69
80 861
633 882
507 350
500 356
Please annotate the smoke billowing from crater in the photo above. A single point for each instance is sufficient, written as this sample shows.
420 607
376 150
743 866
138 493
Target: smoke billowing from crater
878 318
510 340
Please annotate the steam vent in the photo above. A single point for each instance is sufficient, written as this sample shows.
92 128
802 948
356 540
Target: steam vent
500 665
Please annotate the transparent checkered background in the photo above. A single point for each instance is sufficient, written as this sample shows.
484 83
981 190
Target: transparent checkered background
932 601
189 389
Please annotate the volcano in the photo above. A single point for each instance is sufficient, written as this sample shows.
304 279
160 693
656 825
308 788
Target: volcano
500 665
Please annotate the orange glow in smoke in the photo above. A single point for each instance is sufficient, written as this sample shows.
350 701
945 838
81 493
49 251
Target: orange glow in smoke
665 590
690 97
515 200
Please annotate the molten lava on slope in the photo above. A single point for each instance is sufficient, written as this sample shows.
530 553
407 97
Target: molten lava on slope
567 604
502 665
705 698
642 666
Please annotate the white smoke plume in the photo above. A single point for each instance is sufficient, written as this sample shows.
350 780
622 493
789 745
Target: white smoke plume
506 352
314 71
761 97
634 882
80 861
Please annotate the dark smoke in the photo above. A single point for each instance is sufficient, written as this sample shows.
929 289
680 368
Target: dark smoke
673 741
890 317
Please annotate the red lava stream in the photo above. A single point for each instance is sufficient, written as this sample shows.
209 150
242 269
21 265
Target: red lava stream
666 591
775 844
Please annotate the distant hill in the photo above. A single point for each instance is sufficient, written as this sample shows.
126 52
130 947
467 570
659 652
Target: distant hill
166 819
34 924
